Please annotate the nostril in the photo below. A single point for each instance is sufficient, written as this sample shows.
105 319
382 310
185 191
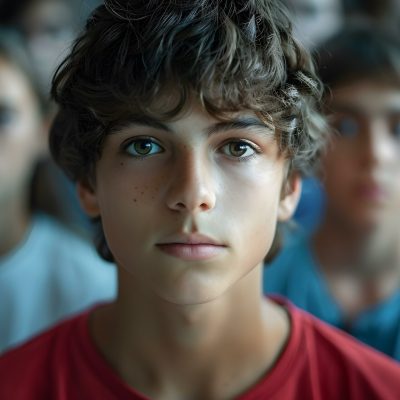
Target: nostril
180 206
204 206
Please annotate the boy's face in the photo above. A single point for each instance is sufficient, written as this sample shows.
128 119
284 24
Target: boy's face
21 136
362 168
190 206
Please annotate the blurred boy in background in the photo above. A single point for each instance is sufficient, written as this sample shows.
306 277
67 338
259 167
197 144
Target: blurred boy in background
348 272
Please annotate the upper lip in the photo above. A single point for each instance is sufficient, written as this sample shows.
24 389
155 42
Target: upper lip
193 238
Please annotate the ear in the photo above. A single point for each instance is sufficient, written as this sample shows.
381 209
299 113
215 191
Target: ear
290 196
87 198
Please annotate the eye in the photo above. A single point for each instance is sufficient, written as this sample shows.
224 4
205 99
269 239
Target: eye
346 126
395 125
238 149
143 147
6 116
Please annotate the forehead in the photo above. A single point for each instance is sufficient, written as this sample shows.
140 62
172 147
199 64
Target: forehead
193 114
366 98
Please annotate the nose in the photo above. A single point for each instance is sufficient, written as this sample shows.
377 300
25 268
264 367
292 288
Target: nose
191 187
379 146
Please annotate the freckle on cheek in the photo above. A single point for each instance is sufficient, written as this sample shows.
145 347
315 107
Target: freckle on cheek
121 164
134 200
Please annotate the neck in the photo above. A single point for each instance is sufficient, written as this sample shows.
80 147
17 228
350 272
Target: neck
357 250
362 267
163 348
14 222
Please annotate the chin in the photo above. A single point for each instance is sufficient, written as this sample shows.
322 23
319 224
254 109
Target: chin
191 296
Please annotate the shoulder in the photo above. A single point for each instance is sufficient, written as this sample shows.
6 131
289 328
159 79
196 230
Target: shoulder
28 370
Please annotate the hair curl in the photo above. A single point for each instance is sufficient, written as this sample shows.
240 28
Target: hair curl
231 55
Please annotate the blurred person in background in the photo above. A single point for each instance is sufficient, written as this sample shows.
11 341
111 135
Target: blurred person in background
315 21
348 272
48 28
46 272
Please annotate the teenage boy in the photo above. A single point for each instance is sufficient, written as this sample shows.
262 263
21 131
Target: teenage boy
183 124
348 272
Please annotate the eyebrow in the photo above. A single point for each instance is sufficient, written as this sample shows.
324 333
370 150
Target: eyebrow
354 109
240 123
237 124
344 108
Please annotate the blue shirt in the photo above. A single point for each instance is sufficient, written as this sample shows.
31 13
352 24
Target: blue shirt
295 275
52 274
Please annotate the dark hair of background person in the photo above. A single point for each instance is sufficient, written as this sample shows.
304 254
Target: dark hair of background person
229 55
359 52
384 11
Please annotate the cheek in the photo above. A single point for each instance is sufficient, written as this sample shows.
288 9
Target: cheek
127 203
251 207
338 171
17 157
132 189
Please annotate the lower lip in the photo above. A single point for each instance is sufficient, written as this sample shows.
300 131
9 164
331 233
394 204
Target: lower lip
192 252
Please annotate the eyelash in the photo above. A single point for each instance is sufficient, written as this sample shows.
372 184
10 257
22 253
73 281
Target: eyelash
125 146
249 145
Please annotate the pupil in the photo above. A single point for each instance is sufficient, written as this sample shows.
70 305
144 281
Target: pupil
143 147
238 149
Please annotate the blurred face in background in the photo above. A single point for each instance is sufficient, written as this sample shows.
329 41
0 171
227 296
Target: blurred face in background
49 27
21 135
362 167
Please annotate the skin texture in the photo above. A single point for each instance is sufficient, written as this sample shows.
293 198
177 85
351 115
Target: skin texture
21 143
172 308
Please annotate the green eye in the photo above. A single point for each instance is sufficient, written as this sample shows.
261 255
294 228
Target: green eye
143 147
238 149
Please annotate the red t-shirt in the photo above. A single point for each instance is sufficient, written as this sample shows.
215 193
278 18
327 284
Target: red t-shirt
318 362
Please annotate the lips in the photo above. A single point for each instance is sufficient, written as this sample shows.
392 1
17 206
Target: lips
371 192
194 247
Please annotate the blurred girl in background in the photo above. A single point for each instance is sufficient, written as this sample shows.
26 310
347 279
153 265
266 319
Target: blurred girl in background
45 270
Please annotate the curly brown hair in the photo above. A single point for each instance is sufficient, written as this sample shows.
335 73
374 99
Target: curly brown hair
231 55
